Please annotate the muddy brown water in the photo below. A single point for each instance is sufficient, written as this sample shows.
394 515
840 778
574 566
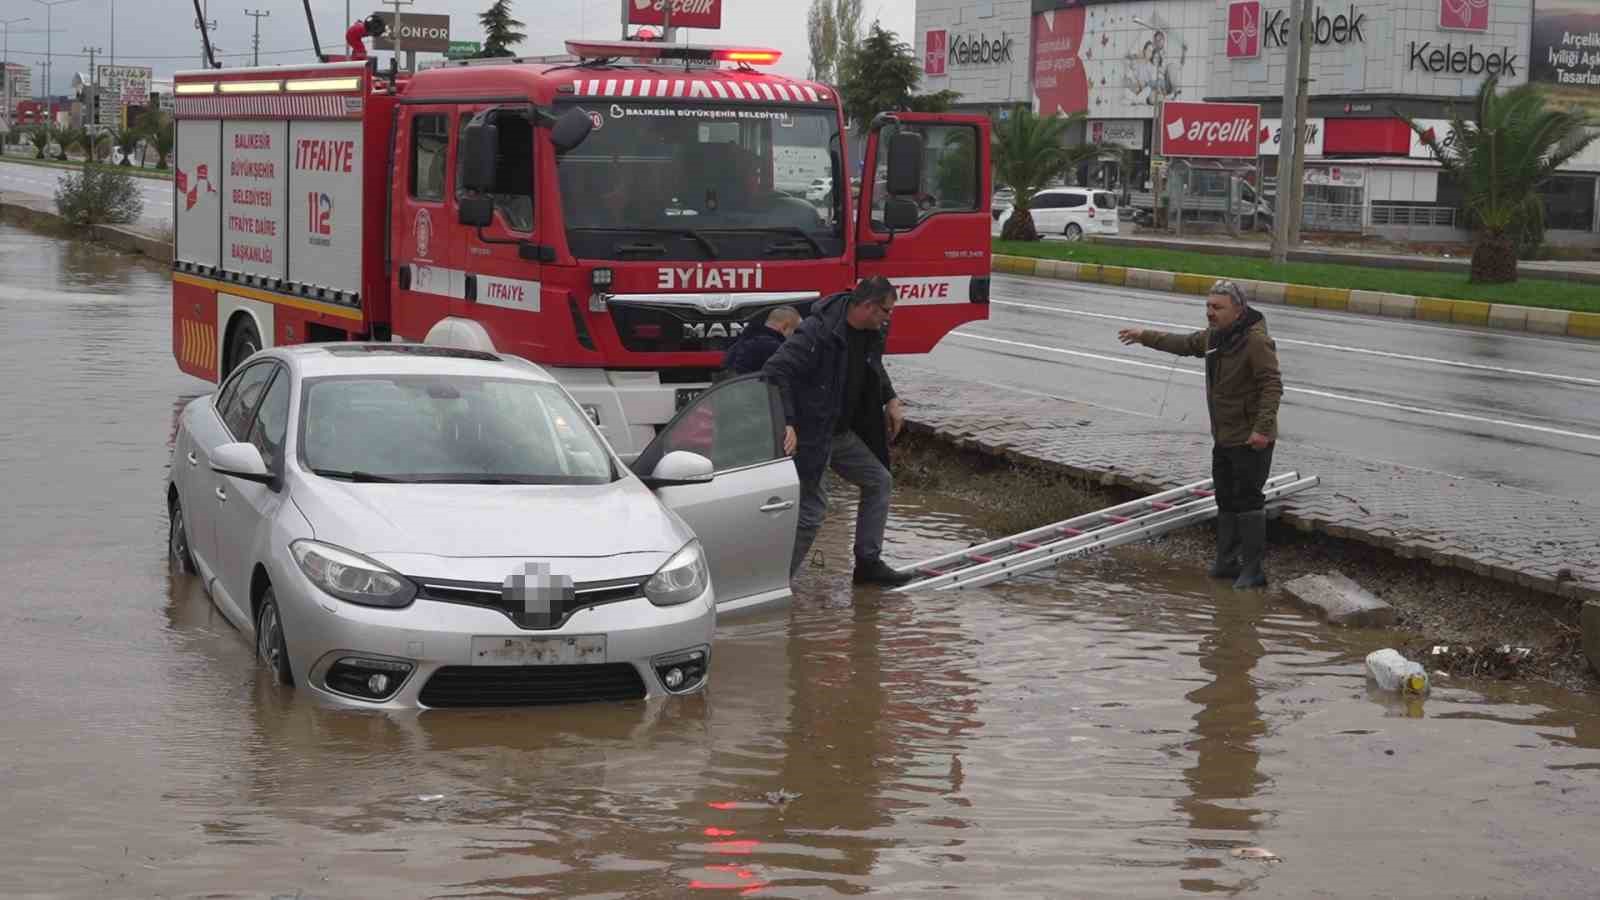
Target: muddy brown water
1114 729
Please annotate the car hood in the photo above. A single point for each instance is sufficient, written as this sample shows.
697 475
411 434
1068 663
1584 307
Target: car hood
473 520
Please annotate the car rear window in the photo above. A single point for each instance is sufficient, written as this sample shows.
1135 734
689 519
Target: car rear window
1105 201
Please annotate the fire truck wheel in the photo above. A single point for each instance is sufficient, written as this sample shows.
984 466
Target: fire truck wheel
245 341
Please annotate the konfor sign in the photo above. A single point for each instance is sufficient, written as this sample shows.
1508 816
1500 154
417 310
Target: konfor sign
1217 130
422 33
685 13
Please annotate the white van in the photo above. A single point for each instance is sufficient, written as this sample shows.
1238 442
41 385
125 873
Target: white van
1072 212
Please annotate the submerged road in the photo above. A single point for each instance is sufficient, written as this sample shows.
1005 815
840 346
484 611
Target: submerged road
41 181
1516 409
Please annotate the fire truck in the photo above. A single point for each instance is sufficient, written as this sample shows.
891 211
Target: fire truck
614 219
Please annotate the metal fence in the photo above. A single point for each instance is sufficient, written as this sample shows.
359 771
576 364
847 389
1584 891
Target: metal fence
1332 216
1406 216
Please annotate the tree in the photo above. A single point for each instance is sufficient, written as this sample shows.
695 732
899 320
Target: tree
1028 152
500 32
40 137
833 28
95 195
881 75
127 139
162 138
1512 146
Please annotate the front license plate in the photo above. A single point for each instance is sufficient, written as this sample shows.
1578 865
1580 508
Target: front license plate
686 396
578 649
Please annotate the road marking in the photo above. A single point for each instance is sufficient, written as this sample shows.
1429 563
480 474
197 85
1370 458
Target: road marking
1553 376
1385 404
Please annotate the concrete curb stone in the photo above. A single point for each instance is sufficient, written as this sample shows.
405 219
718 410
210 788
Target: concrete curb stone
1496 316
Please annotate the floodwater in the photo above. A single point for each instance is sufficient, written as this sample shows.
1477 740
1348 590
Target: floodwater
1117 729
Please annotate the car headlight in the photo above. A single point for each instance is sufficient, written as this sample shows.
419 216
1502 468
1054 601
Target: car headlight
684 577
351 576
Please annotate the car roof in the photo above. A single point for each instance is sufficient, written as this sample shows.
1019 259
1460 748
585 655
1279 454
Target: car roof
335 358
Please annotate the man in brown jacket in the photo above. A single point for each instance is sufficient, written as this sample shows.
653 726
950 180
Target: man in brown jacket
1243 388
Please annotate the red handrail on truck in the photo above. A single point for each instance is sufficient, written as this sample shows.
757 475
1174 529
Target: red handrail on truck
459 205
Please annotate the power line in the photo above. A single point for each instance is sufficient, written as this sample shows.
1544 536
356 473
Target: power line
241 54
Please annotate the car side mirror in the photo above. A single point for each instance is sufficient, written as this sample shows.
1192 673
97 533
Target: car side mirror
571 130
681 467
478 147
475 211
905 164
243 461
900 214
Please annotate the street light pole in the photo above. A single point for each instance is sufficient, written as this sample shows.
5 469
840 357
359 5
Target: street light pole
5 65
49 65
255 44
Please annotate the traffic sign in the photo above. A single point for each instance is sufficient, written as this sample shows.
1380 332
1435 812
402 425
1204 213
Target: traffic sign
462 50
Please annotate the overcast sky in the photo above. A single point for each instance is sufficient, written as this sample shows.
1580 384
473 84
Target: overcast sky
161 34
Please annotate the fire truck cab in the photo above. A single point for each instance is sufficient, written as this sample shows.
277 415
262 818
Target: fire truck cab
619 220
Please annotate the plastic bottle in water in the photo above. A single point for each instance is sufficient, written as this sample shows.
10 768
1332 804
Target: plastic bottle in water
1394 672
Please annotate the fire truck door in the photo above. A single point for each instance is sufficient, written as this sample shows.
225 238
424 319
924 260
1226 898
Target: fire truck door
928 233
430 281
501 261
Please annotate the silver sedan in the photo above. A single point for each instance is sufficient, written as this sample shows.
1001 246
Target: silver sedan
402 525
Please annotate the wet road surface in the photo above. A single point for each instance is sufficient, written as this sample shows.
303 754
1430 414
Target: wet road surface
1512 408
1117 729
42 181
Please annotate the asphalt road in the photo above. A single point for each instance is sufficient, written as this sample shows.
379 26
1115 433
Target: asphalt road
41 181
1516 409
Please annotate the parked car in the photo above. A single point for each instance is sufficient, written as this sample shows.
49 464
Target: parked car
1072 212
819 190
401 525
1001 202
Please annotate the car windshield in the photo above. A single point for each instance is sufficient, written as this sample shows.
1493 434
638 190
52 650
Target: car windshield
448 429
669 180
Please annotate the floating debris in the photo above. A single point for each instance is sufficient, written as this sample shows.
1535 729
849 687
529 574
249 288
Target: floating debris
1261 854
781 797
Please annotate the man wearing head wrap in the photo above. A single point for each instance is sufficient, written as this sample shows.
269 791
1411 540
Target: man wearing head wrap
1243 387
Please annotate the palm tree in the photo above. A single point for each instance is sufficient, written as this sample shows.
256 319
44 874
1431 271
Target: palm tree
40 137
128 139
162 138
1512 146
1028 152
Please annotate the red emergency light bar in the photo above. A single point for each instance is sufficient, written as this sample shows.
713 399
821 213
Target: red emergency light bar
758 56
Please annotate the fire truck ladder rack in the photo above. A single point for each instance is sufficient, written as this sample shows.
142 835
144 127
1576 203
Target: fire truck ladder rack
1030 551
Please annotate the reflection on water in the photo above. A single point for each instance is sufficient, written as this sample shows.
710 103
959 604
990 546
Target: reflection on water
1115 728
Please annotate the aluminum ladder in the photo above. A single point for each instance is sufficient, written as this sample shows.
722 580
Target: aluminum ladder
1039 548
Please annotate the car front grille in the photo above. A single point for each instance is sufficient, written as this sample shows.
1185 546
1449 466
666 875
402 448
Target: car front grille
493 596
483 686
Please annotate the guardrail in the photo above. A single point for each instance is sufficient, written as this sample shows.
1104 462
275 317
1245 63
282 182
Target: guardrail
1406 216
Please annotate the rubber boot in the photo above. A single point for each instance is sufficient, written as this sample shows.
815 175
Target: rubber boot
1227 564
1252 548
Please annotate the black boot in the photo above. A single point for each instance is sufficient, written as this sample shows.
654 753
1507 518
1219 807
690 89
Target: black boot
876 571
1227 564
1253 547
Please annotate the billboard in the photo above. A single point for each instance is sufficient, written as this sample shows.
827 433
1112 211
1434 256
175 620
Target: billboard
1121 60
1215 130
422 33
685 13
1565 52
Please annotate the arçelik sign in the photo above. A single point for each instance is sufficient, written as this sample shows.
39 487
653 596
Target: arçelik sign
685 13
1217 130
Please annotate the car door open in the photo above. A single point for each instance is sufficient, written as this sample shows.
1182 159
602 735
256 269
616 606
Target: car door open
746 515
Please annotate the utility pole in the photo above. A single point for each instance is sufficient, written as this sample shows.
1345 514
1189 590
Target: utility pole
1289 141
93 98
5 65
207 25
397 27
49 29
255 43
1302 105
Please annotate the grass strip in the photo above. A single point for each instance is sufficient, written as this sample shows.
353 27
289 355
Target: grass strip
71 165
1539 292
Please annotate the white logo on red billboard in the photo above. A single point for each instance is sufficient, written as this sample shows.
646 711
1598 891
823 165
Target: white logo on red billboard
1244 29
1464 15
938 46
685 13
1210 129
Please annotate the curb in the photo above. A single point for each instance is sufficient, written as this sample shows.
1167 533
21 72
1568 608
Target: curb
1499 316
119 236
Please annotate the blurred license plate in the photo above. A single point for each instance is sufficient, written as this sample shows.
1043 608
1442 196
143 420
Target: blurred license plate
687 395
579 649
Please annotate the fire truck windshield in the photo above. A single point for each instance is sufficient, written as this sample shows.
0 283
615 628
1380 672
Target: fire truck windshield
675 181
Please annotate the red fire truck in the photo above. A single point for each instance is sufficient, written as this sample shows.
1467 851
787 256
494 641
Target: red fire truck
618 220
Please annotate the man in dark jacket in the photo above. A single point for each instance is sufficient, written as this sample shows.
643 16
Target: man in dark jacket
836 397
757 343
1243 387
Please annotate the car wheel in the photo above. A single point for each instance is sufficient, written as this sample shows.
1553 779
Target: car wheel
245 341
178 554
1074 231
270 644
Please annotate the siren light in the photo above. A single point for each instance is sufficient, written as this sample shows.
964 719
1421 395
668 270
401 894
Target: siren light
639 49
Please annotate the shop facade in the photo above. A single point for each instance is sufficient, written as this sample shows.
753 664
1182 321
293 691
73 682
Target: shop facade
1372 62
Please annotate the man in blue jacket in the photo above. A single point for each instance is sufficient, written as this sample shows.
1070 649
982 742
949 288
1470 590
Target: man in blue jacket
758 342
841 413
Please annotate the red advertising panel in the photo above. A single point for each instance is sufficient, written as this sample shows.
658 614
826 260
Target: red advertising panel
1464 15
1059 79
1244 28
685 13
938 46
1218 130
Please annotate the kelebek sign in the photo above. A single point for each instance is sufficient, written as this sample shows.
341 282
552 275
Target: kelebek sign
685 13
1244 29
1464 15
1219 130
933 58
